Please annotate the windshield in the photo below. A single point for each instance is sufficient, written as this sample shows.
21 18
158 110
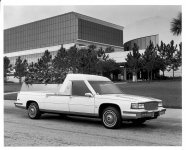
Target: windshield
105 87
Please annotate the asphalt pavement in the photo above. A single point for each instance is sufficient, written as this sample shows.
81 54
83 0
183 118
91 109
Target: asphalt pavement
53 130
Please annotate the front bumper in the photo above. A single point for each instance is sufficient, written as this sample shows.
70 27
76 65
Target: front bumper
19 105
148 114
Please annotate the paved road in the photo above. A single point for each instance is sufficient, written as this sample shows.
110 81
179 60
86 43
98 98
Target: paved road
52 130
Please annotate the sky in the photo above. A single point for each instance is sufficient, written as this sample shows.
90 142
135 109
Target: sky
124 15
118 14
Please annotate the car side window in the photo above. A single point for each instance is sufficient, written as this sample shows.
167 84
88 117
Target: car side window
79 88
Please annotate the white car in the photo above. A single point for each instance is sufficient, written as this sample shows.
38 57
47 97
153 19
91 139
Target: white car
88 95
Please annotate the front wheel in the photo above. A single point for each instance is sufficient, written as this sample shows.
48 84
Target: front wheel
111 118
33 111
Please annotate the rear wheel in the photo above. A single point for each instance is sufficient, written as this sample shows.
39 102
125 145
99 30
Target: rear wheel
111 118
33 111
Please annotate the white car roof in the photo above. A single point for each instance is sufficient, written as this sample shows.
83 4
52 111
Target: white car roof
86 77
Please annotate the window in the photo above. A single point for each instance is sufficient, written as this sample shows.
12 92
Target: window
143 43
79 88
157 39
148 41
153 39
105 87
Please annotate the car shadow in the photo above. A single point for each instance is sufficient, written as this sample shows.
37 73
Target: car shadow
91 121
73 119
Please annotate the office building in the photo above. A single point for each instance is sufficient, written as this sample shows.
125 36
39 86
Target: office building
30 40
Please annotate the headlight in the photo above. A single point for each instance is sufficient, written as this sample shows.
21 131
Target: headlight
160 104
134 106
141 106
137 106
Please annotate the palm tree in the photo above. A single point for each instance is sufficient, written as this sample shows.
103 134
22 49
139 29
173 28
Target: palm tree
176 25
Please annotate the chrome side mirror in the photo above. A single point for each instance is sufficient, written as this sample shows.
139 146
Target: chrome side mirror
88 94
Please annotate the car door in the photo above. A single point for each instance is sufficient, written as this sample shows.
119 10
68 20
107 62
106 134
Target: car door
57 102
60 101
80 103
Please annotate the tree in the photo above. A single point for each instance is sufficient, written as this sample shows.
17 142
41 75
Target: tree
44 68
20 68
173 57
83 61
7 67
72 57
162 59
101 54
109 49
92 59
60 65
32 74
92 47
134 60
107 67
179 53
87 59
150 59
176 25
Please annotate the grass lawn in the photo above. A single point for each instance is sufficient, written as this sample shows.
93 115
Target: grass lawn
10 96
168 91
11 87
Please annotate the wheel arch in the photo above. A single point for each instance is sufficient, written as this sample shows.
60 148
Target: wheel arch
105 105
29 102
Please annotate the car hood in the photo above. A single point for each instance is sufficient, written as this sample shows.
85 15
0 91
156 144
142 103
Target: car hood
127 97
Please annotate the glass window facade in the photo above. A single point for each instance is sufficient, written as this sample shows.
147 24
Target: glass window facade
142 42
91 31
48 32
58 30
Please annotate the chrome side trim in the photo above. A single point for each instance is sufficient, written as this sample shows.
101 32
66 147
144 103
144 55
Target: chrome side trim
70 113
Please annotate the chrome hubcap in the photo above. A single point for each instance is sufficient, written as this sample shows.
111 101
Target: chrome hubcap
32 111
109 118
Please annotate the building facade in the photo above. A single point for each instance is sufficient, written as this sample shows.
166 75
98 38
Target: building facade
30 40
142 42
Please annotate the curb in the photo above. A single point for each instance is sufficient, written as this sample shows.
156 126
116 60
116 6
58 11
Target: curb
10 93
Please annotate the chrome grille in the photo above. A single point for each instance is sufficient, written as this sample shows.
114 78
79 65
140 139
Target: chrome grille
151 106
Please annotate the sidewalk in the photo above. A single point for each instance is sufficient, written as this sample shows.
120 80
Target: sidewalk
10 93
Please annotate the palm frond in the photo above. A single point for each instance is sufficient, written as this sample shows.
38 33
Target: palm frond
176 25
